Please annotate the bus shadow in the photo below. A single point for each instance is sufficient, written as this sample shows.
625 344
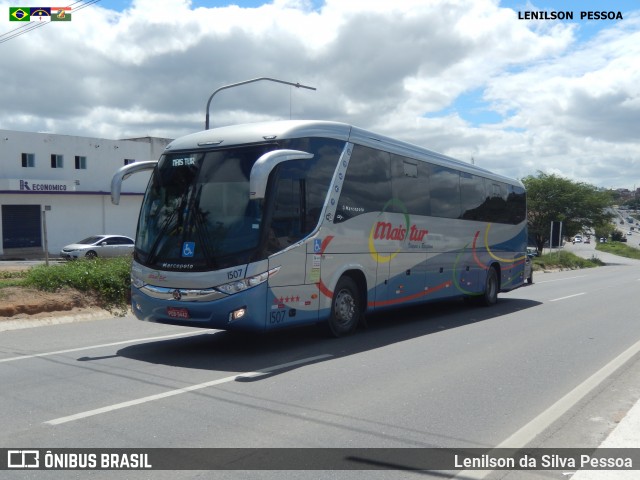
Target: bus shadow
236 352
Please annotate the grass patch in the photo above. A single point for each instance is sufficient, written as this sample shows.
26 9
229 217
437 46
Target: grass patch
12 278
565 260
109 279
620 249
9 275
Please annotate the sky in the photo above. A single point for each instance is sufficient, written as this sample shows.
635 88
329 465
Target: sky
471 79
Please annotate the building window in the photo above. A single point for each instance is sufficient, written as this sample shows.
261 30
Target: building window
56 161
81 163
28 160
127 161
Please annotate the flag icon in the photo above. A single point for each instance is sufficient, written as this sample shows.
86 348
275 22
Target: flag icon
60 14
41 14
19 14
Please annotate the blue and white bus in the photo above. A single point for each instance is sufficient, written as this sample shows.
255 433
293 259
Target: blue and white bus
269 225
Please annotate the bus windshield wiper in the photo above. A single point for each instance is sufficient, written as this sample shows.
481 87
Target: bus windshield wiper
202 230
153 251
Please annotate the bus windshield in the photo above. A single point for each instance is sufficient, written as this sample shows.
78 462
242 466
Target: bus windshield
197 214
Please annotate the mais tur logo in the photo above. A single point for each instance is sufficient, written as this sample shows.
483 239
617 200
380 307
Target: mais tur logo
402 233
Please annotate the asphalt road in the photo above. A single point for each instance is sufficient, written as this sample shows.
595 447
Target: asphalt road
442 375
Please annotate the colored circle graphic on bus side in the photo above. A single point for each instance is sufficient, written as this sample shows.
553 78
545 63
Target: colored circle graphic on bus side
494 256
384 258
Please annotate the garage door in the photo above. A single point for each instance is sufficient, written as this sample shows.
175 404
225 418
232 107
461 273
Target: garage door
21 227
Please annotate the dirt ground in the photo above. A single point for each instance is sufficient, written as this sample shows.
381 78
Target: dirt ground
19 302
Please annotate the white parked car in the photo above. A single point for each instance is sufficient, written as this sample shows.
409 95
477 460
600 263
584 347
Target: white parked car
99 246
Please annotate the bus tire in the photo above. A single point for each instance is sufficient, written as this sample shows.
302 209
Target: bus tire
345 308
491 287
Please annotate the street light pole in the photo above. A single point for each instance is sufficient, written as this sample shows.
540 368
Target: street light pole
297 85
44 231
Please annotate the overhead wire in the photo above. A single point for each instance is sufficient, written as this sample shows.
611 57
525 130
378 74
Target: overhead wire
84 5
29 26
21 30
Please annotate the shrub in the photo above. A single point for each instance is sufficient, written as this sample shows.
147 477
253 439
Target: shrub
618 236
109 279
563 259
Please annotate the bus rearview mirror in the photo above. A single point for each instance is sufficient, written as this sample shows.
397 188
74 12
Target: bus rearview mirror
265 164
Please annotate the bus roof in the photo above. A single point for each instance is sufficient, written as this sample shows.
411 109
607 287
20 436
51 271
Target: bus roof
260 132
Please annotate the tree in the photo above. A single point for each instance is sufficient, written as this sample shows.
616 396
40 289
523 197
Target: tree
618 236
579 206
604 230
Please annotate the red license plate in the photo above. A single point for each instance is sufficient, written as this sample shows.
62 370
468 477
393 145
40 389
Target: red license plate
175 312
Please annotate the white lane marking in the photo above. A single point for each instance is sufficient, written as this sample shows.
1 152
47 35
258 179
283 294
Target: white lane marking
560 279
527 433
179 391
79 349
569 296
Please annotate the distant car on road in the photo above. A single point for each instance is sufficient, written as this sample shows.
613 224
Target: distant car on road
587 240
99 246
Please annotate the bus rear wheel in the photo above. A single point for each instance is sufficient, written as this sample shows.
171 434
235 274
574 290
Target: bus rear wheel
345 308
491 287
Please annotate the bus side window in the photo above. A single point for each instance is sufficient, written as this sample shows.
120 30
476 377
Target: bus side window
410 183
367 184
517 204
472 197
445 192
497 202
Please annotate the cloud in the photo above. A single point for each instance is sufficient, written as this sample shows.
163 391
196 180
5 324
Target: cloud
397 68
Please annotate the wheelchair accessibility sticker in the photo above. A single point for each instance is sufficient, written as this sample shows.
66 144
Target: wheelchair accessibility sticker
188 249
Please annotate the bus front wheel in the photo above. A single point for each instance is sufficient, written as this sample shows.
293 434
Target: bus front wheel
345 308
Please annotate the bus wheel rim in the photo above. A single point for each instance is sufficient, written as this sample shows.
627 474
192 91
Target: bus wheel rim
344 307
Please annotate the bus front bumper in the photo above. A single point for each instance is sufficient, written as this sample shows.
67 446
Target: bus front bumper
242 311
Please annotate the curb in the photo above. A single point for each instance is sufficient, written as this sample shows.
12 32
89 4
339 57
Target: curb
21 323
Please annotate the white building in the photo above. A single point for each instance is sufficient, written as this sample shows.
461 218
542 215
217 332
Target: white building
65 181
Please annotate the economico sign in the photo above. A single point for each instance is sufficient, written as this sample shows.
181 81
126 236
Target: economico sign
41 186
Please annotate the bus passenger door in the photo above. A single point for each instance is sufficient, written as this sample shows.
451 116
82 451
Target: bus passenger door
289 224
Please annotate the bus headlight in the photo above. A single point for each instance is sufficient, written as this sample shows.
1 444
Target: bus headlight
240 285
